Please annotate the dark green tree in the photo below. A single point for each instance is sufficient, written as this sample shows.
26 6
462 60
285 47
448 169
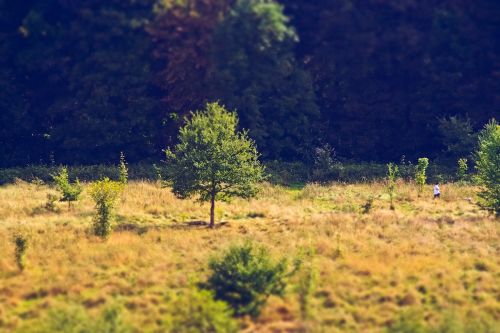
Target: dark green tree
488 167
212 160
255 72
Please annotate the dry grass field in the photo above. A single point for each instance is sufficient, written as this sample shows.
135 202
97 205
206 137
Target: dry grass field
432 257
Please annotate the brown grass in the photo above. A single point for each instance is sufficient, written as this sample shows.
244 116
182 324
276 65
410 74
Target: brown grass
429 255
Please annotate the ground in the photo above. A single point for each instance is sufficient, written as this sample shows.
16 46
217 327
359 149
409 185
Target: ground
430 256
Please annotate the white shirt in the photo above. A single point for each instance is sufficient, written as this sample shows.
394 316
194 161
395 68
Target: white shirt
436 189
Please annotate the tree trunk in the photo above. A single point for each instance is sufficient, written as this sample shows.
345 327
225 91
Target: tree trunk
212 211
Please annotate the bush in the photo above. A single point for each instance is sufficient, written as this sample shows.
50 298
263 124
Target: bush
488 167
105 194
245 276
197 312
69 192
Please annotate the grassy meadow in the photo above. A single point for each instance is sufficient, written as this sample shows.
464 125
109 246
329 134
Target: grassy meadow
431 257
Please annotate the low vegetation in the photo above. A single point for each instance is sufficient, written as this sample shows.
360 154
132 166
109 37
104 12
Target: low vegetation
432 257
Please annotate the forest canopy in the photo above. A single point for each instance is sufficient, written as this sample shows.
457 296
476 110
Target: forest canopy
82 81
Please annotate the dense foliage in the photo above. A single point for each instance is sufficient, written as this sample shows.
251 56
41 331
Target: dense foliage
81 81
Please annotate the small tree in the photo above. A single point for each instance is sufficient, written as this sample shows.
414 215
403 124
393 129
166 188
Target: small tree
392 172
123 169
420 176
245 276
69 192
105 194
488 167
212 160
462 169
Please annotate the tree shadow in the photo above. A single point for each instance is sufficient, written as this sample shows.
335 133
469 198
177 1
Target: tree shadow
197 225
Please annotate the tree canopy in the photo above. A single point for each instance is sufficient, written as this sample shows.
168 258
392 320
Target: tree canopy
82 81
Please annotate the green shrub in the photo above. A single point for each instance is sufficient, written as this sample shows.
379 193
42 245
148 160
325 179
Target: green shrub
69 192
392 173
245 276
21 243
123 169
105 194
420 174
488 167
196 311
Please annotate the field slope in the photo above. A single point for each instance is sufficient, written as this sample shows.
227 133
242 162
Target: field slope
434 257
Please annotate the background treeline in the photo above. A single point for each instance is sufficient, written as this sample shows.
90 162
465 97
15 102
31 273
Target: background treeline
81 81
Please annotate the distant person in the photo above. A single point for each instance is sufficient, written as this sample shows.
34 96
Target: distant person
437 192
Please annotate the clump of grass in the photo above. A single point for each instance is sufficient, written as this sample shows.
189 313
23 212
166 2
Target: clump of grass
75 319
307 284
50 205
368 205
21 244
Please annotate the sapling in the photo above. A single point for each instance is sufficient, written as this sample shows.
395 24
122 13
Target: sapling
392 172
123 169
69 192
462 169
105 194
420 176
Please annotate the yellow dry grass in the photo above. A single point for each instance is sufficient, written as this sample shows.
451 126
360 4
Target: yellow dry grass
433 256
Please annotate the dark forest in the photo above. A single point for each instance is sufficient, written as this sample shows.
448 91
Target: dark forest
82 81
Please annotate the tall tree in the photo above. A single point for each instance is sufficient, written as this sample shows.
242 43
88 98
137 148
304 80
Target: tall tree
182 37
255 72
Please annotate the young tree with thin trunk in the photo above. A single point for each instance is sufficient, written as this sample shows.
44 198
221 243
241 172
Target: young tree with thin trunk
212 160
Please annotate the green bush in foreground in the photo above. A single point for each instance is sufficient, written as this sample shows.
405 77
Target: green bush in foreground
196 311
488 167
245 276
105 194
